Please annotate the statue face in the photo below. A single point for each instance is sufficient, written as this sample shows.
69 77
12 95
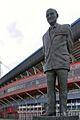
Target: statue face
51 16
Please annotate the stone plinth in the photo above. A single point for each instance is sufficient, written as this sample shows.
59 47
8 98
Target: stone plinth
55 118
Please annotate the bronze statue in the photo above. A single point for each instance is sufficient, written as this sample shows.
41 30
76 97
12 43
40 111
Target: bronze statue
57 45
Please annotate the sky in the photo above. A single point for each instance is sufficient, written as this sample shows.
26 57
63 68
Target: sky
23 23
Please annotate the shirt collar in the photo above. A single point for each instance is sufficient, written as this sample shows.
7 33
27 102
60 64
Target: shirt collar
53 26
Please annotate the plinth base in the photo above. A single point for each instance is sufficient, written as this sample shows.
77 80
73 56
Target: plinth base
55 118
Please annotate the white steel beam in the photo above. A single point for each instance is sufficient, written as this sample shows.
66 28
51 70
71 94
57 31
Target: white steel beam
41 92
77 85
30 96
8 101
14 100
3 102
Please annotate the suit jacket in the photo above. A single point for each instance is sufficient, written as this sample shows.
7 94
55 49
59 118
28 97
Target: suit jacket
57 48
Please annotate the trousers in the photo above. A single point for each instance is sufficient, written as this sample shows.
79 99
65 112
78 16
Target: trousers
62 76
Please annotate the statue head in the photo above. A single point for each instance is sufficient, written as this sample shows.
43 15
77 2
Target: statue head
51 15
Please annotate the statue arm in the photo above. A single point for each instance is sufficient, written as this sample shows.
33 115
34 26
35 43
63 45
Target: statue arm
69 39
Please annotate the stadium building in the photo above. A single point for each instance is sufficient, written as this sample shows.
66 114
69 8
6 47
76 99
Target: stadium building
23 90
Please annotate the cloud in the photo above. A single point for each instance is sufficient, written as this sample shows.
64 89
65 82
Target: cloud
14 31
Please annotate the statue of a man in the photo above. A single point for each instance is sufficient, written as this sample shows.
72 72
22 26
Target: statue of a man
57 45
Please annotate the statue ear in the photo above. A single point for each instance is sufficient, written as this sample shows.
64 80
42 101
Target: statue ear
57 15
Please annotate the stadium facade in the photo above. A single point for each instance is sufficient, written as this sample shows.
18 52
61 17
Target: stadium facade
23 91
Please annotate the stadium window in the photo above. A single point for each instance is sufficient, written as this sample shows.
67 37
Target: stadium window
73 107
37 82
77 72
78 107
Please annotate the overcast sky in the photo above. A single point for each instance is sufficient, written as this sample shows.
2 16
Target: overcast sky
23 23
